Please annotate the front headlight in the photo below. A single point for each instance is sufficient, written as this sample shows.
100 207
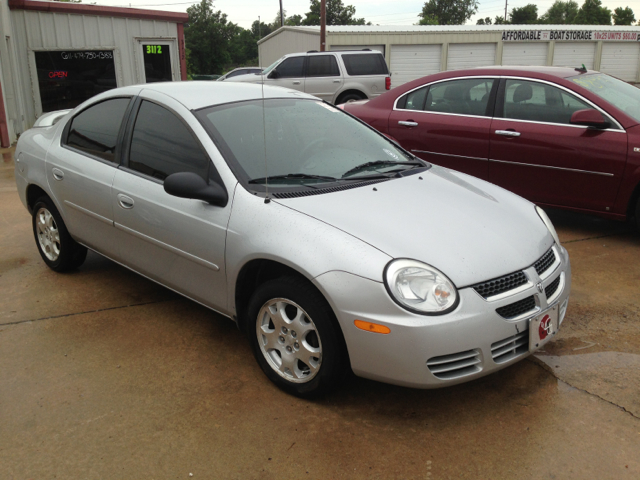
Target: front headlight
419 287
547 221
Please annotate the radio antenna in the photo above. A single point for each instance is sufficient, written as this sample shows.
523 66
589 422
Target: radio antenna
267 199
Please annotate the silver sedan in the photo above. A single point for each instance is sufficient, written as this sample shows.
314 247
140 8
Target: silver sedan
334 249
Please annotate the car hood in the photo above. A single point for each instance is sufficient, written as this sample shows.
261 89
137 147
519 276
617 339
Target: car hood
248 78
467 228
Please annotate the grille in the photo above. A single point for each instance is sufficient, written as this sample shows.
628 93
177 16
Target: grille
456 365
510 348
552 287
545 262
320 191
517 308
501 284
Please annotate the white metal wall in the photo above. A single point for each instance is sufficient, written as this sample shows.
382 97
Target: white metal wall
621 60
469 55
41 31
574 54
287 41
525 53
409 62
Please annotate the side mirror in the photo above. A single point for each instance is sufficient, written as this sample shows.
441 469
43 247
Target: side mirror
191 185
590 118
274 74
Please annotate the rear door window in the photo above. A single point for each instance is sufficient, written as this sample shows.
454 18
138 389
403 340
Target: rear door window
95 130
322 66
365 64
414 100
469 96
162 144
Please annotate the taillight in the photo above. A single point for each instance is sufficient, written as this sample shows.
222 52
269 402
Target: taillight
387 83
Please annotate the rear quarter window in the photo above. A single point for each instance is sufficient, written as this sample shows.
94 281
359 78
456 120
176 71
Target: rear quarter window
365 64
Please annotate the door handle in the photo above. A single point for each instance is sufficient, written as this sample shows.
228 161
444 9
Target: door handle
124 201
408 123
57 173
508 133
297 82
336 81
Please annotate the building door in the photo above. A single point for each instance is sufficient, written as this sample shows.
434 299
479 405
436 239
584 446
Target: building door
621 60
155 61
409 62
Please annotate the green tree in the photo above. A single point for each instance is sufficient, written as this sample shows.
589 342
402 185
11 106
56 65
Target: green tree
448 12
623 16
207 37
293 20
593 13
500 21
260 29
526 15
337 14
243 48
560 13
484 21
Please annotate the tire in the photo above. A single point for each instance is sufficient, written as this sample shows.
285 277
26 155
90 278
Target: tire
59 251
289 322
350 97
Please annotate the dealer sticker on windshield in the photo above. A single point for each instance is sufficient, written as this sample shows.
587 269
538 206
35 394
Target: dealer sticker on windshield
542 328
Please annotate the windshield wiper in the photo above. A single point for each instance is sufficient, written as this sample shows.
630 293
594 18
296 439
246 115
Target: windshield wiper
381 163
303 176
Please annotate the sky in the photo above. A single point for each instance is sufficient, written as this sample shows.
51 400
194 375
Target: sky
379 12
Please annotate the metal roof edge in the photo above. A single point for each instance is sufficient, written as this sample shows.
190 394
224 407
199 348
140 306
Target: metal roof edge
305 29
98 10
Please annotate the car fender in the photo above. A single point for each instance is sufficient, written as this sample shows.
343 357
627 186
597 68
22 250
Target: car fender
630 184
260 230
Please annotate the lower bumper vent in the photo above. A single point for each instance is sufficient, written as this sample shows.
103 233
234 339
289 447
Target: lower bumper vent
456 365
516 309
510 348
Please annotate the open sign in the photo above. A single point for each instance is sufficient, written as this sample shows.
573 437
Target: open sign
58 74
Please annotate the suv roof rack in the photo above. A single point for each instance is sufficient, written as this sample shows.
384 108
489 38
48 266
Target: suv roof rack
312 51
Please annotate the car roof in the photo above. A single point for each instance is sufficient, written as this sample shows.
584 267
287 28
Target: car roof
200 94
561 72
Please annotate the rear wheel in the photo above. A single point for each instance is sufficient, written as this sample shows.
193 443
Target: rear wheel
295 337
58 250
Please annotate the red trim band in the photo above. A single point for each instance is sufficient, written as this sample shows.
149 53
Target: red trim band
182 53
85 9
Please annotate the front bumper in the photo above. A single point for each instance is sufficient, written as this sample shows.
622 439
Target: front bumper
436 351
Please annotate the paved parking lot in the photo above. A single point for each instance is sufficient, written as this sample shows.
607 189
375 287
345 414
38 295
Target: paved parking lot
104 374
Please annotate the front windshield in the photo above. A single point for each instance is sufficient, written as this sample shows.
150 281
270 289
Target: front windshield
307 142
620 94
271 67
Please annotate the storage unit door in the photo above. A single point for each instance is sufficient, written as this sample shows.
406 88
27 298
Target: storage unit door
379 48
409 62
525 53
469 55
574 54
621 60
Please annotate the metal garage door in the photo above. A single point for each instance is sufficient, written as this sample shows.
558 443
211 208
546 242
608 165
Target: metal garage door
621 60
524 53
469 55
409 62
379 48
574 54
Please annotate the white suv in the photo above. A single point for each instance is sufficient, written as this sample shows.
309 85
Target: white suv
337 77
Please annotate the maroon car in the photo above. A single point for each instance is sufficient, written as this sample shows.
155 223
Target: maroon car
561 137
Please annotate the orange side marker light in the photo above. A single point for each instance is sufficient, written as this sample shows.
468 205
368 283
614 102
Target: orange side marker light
372 327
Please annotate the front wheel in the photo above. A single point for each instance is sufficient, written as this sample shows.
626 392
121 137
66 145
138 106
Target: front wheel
58 250
295 337
350 97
